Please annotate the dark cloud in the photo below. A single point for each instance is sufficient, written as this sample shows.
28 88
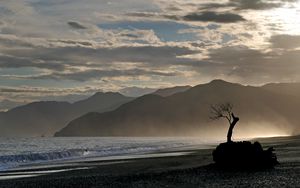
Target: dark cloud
285 41
254 4
141 14
195 16
235 55
174 8
212 6
154 15
79 55
214 17
73 42
76 25
18 62
22 90
12 41
246 4
66 62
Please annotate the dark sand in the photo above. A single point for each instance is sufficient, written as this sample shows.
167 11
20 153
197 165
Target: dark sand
192 170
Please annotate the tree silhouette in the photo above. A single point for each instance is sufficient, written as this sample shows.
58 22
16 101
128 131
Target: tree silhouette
225 111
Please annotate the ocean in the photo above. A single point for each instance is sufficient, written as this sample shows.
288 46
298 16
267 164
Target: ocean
35 160
26 152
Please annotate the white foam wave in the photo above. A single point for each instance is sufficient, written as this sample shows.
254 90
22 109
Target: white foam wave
33 151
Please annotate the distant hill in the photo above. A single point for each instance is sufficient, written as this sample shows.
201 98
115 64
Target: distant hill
46 117
101 102
262 112
136 91
171 91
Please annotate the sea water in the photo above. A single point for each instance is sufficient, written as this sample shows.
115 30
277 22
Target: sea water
16 152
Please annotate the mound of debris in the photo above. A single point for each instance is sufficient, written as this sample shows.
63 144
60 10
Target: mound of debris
244 155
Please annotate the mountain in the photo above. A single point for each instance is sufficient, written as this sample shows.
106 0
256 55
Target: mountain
136 91
262 112
46 117
171 91
8 104
101 102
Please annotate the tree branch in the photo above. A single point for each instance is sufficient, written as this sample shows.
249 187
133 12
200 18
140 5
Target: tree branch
221 111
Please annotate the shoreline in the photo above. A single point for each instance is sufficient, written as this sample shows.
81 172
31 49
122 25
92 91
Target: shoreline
112 168
191 170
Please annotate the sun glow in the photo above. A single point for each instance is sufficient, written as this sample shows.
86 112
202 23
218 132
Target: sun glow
260 136
284 20
261 130
271 135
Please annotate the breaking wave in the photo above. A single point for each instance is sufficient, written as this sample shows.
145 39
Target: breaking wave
16 153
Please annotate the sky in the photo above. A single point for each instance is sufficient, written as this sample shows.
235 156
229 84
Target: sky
67 49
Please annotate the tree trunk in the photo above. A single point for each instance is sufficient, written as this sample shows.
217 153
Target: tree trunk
232 124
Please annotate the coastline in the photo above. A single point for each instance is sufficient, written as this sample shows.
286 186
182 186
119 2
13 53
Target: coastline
191 170
182 168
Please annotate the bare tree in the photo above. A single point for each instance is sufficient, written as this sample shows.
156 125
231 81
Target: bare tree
224 111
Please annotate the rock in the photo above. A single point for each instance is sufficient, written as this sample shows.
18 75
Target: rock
244 155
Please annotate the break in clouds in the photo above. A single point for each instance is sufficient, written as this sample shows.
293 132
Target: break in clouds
62 48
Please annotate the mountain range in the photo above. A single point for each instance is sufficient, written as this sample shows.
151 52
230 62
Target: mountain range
44 118
264 111
171 91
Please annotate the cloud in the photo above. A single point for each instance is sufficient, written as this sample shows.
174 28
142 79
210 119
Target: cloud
253 4
285 41
138 36
214 17
252 66
154 16
80 61
244 5
10 41
76 25
99 74
22 8
150 43
73 42
86 63
7 61
51 91
206 16
80 56
8 104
